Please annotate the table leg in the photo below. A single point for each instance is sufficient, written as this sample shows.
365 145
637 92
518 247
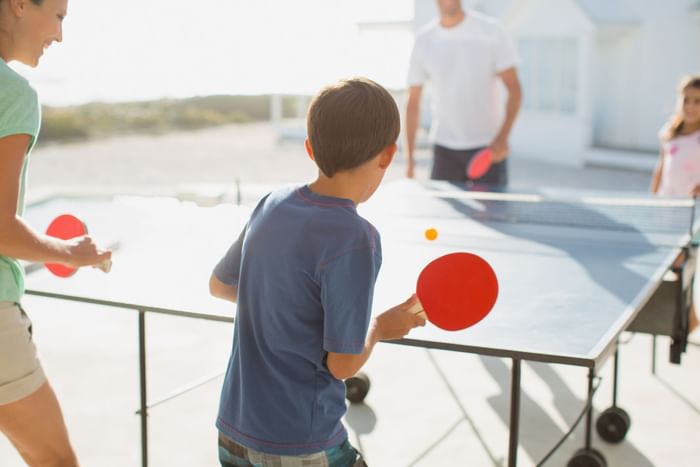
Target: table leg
514 414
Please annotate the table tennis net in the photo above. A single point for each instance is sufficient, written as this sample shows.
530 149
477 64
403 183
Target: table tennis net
650 214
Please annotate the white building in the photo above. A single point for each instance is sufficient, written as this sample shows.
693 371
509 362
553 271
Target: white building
599 76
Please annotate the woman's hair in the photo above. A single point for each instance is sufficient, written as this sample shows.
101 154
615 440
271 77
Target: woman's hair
674 126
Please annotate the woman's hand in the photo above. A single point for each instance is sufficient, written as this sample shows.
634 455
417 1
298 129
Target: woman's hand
82 251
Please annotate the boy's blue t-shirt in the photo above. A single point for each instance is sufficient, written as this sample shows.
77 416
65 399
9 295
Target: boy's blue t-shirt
305 267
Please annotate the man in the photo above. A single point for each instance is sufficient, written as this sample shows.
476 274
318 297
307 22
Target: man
463 56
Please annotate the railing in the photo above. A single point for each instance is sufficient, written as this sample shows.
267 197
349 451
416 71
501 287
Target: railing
144 406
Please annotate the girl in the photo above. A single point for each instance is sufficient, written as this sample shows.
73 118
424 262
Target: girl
678 170
30 415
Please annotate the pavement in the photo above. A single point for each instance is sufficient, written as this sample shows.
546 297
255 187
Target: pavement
424 408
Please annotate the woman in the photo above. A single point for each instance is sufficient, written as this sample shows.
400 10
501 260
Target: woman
30 415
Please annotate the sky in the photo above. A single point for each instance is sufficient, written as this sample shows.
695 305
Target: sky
146 49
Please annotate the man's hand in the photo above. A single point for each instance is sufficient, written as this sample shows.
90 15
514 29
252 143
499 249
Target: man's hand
500 149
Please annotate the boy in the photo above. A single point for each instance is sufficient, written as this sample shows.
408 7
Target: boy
303 273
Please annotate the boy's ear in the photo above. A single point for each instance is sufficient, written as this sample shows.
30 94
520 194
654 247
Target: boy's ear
387 155
309 151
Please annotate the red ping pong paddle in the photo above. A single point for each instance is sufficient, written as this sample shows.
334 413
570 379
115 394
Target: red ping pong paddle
456 291
65 227
480 164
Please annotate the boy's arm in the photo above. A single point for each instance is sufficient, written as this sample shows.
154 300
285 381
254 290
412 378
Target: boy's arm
220 290
227 270
394 323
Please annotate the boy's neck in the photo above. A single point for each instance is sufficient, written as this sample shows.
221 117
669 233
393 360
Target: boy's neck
341 185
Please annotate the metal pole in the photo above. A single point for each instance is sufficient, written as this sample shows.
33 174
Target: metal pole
589 412
514 414
615 375
142 385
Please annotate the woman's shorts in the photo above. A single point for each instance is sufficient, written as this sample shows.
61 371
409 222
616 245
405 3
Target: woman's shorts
20 371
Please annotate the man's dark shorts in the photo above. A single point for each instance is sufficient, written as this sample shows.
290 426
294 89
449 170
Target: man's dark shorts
451 165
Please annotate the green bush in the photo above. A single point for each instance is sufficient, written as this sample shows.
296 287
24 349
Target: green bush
62 126
106 119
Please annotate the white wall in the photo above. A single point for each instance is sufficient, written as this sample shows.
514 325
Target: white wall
554 136
637 74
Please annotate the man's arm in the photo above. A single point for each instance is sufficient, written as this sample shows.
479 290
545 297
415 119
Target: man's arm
412 122
512 83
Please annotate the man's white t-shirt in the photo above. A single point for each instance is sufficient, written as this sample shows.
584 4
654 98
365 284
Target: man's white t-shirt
461 64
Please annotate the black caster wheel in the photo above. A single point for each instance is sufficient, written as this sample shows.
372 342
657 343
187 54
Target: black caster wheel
612 425
587 458
356 388
676 350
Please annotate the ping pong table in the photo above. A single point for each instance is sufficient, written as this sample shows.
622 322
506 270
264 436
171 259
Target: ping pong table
574 270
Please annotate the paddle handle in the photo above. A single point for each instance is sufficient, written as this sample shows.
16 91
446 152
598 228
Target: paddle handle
417 309
105 266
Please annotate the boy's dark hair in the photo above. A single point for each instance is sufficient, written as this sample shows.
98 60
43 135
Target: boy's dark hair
351 122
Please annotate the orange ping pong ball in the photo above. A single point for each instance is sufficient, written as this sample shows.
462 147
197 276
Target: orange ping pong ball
431 234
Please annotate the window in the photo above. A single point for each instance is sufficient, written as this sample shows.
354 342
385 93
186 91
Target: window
549 74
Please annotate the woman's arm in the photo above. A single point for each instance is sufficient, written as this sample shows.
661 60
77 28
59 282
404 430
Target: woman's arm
17 239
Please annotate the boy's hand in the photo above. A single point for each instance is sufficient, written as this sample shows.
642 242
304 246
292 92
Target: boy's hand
695 191
396 322
392 324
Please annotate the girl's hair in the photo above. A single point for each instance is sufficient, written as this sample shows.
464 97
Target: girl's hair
675 124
